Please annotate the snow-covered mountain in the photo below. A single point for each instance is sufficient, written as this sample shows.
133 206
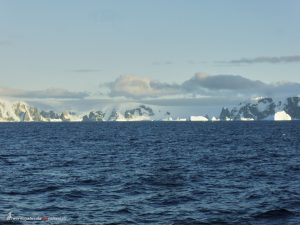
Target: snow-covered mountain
257 109
23 112
264 109
126 112
18 111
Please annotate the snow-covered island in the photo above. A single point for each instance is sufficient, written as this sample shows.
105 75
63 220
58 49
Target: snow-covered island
257 109
264 109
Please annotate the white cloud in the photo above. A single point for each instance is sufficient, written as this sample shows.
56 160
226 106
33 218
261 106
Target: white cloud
138 87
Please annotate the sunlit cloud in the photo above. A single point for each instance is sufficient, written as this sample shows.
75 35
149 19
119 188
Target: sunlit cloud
199 85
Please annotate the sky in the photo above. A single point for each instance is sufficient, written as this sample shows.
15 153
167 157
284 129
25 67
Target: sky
140 49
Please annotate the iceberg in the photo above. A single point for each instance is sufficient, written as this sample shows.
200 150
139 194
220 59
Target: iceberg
215 119
282 116
198 118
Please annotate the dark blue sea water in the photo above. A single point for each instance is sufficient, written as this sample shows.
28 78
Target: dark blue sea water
151 172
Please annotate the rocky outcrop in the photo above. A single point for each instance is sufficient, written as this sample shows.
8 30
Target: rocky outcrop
292 107
256 111
51 115
97 116
69 116
225 114
142 110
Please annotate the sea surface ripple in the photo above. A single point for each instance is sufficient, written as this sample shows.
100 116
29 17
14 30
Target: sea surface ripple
151 172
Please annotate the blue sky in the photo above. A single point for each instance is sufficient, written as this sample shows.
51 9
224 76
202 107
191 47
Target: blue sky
78 45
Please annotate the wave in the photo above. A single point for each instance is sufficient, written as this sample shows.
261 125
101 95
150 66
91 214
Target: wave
274 214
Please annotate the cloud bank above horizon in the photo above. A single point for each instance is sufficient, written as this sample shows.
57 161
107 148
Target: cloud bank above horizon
137 88
200 85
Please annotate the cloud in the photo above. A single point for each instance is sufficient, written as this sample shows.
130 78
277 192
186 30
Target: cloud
200 85
283 89
267 59
54 93
204 101
137 87
85 70
221 82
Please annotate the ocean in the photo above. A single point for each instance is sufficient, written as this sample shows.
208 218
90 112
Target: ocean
150 173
